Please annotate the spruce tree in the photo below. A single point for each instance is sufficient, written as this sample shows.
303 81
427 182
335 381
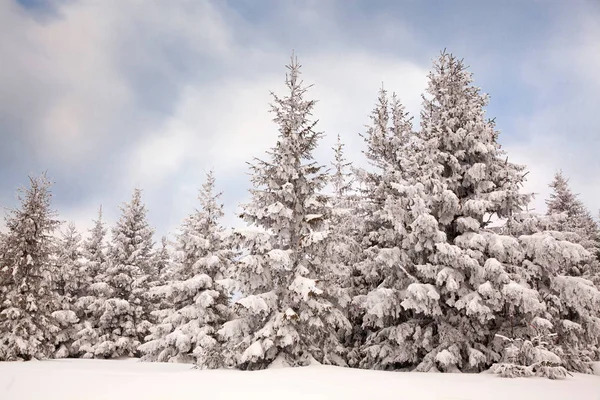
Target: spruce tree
195 303
70 285
470 281
451 284
342 243
473 283
576 218
27 327
342 248
89 306
553 261
377 282
68 281
285 314
94 250
119 304
3 285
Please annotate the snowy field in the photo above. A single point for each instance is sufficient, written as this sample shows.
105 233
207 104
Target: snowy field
131 379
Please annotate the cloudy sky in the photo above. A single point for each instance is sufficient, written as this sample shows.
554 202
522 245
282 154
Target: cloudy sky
115 94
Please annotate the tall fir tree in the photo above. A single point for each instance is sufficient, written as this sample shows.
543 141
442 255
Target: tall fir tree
471 278
452 283
196 302
70 284
285 315
376 278
27 326
90 306
94 250
119 303
342 243
474 283
342 247
68 280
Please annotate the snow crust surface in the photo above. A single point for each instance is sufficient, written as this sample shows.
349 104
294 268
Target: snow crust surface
131 379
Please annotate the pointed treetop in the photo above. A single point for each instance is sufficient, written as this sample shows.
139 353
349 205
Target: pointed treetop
562 199
341 180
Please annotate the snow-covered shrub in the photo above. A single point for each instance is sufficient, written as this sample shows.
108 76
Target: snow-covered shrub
524 358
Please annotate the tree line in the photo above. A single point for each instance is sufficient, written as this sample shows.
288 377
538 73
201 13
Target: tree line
427 260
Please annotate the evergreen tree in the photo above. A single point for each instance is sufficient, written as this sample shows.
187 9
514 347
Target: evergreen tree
451 283
89 306
576 218
376 274
94 250
285 314
27 326
470 282
119 301
68 280
198 304
341 179
342 245
552 262
69 284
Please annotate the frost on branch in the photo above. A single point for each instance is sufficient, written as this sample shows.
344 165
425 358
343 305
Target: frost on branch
524 358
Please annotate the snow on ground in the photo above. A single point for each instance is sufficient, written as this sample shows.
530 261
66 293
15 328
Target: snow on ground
131 379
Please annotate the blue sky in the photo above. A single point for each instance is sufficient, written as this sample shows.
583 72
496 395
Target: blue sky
111 95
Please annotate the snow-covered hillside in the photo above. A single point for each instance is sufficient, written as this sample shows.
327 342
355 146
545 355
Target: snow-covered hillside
131 379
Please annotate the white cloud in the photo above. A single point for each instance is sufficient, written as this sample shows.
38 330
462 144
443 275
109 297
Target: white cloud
557 135
225 124
78 74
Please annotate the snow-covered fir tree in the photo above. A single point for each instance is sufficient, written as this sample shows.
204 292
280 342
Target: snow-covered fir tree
342 177
27 325
524 358
579 220
553 261
67 281
94 250
575 217
197 303
474 283
70 284
89 306
469 280
456 284
285 314
342 248
342 243
386 141
119 309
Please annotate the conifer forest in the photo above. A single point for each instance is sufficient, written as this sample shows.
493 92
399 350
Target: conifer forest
422 256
